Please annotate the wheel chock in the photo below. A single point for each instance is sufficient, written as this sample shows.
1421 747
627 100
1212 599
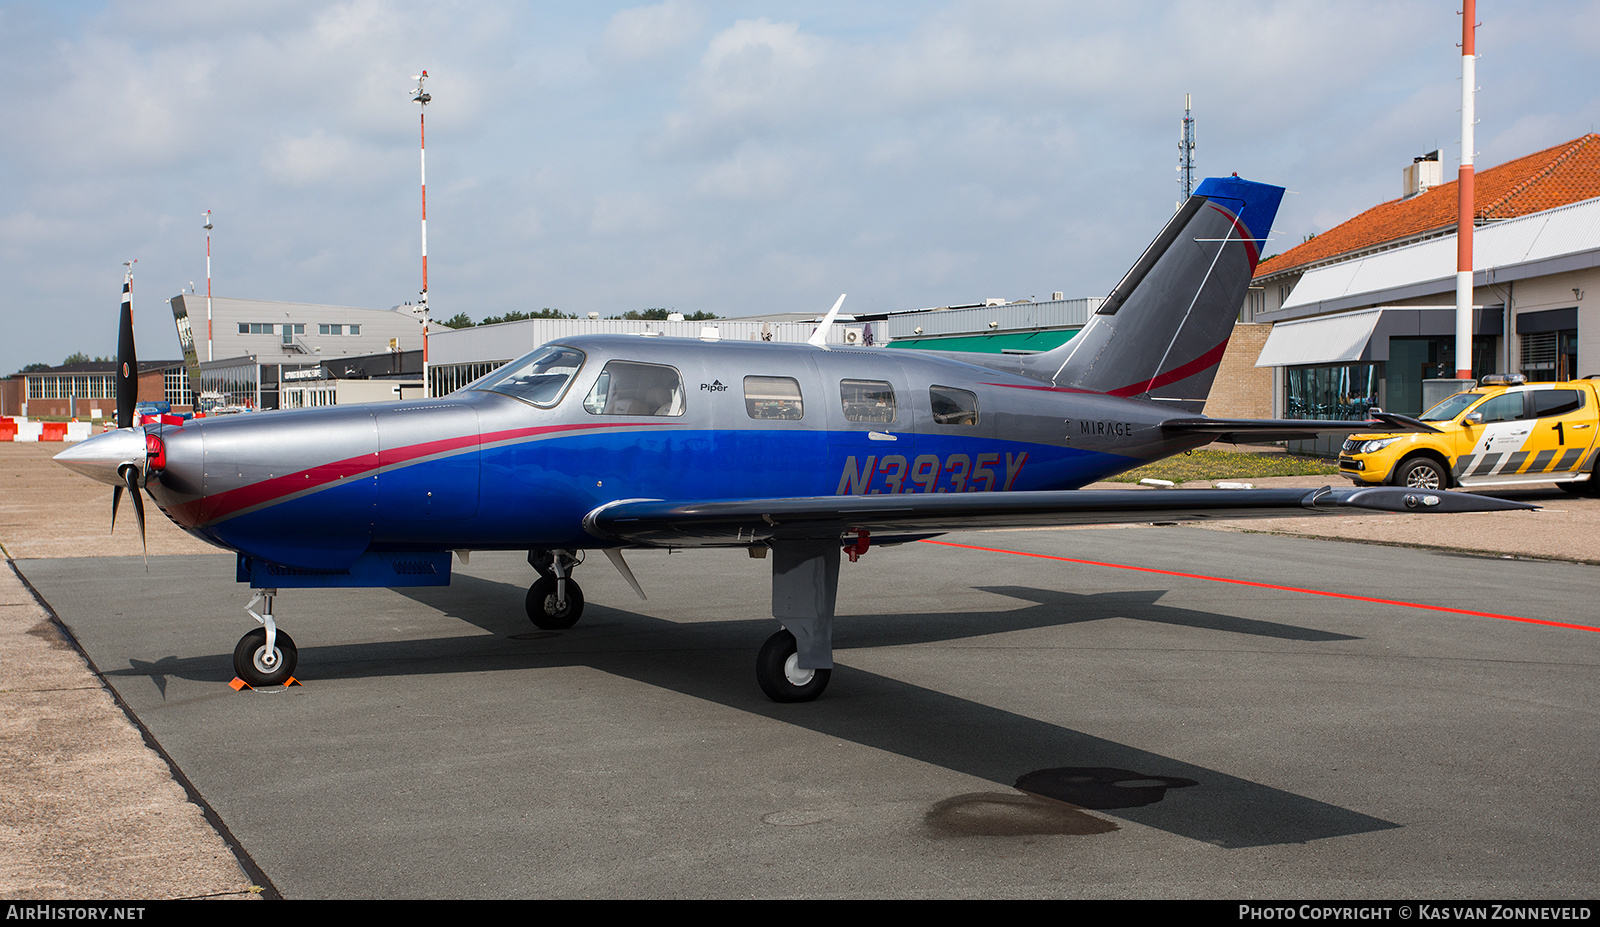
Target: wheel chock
239 685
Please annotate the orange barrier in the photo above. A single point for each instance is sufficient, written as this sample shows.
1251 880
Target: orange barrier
53 431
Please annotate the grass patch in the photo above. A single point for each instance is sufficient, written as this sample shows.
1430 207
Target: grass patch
1226 465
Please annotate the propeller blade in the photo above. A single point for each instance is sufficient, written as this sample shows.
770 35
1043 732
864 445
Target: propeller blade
116 497
127 362
131 475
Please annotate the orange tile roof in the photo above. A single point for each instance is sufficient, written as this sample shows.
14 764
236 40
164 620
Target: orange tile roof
1556 176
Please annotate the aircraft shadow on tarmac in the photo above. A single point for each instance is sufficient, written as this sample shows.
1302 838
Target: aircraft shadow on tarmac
710 660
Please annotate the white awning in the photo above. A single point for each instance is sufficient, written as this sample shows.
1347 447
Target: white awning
1336 339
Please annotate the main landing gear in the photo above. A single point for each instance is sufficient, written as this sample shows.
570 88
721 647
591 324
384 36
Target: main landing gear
779 674
265 656
794 665
555 603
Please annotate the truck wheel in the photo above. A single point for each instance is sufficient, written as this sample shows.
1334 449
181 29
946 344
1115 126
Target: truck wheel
1421 473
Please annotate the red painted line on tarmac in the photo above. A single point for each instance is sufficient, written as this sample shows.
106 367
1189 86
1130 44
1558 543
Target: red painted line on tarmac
1246 582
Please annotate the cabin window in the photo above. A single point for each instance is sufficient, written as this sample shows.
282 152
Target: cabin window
629 388
953 406
540 378
773 398
867 401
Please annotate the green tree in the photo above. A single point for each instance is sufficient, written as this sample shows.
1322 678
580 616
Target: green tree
459 320
76 357
516 316
659 314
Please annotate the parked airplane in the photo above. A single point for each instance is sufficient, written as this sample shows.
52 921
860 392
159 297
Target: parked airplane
806 451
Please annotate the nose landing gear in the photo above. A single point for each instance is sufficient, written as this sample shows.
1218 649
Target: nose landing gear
265 656
555 603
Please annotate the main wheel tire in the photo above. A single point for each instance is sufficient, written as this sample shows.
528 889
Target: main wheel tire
779 673
1422 473
251 662
546 613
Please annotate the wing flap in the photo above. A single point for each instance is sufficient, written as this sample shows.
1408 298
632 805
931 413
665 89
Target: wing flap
744 522
1268 430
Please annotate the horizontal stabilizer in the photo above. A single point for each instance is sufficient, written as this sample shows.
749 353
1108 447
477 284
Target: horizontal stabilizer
745 522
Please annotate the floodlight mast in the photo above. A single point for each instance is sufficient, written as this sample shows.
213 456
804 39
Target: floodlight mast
421 97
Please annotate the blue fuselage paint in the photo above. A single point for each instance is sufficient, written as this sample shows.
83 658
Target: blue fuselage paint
482 470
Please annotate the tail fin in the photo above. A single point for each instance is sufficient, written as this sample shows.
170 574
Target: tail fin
1161 333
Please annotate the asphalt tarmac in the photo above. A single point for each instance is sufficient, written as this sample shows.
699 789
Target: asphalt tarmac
1178 736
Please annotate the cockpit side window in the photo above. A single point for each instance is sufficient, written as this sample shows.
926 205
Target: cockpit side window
540 378
631 388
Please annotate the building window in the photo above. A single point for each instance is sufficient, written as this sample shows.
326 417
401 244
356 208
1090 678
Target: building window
355 329
1344 392
1550 356
175 381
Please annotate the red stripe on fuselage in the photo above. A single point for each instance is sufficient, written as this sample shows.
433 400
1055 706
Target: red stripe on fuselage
211 509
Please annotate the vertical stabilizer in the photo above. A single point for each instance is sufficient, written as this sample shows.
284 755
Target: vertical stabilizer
1161 333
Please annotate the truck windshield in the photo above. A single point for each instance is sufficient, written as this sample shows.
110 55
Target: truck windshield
540 378
1450 408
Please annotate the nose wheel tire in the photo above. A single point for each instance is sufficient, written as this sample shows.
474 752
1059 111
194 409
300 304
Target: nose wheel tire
548 613
779 673
253 664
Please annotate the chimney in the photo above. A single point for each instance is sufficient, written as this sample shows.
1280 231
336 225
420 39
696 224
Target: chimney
1423 173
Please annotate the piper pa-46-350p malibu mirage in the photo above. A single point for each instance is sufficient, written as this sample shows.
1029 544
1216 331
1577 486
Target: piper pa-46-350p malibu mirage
804 450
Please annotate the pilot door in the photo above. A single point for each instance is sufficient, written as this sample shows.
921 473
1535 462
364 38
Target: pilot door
871 426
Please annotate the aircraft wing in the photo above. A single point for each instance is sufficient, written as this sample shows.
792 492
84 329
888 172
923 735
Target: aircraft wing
743 522
1265 431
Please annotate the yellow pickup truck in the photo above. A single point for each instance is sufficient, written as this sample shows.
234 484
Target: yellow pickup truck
1504 432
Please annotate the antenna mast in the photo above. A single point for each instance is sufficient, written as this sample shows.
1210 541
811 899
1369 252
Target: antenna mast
1185 156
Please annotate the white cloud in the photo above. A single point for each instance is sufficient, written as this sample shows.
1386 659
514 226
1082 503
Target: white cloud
649 33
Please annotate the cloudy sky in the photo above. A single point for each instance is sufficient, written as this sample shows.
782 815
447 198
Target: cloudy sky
734 157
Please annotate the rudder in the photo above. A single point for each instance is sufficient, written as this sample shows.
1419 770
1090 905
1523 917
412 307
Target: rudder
1162 331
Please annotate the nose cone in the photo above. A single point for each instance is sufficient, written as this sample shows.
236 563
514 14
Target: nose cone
102 456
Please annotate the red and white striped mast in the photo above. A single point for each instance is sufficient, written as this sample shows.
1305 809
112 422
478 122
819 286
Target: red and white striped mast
421 98
208 287
1465 203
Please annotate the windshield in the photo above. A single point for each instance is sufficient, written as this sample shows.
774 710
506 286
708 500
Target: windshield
1450 408
540 378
